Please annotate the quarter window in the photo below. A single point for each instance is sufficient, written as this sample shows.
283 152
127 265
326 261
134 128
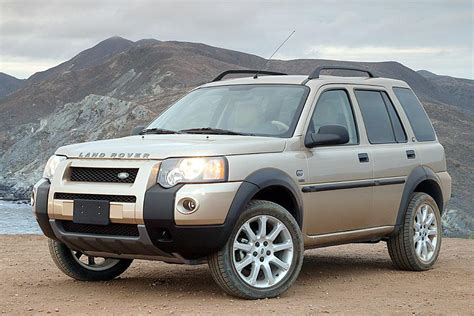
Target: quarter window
334 108
400 135
419 121
380 117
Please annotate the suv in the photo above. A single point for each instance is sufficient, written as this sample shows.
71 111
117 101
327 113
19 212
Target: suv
247 173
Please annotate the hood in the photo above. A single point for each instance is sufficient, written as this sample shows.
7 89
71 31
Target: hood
174 145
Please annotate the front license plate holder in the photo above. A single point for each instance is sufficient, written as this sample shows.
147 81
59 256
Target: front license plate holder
93 212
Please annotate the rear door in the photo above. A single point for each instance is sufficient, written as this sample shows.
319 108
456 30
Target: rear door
393 155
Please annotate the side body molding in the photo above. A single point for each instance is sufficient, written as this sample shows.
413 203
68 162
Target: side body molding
418 175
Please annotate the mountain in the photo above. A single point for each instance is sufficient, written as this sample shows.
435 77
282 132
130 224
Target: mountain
9 84
106 90
88 58
459 91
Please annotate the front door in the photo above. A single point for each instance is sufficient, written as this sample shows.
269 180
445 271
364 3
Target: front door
338 192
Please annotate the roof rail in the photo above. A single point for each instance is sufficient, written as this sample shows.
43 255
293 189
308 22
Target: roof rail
317 71
247 71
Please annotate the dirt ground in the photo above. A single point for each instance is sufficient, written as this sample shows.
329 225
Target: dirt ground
350 279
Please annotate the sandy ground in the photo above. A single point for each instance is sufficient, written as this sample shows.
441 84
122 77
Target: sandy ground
350 279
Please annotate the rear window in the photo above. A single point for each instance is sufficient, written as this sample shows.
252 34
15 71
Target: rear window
419 121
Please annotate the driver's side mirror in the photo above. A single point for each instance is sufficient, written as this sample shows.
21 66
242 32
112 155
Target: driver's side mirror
136 130
327 135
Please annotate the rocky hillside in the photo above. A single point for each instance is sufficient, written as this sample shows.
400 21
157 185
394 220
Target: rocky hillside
9 84
106 90
455 90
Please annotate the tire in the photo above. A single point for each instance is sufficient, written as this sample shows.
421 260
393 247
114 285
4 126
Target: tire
65 260
406 248
265 276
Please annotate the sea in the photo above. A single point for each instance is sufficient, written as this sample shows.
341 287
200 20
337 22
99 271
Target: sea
17 218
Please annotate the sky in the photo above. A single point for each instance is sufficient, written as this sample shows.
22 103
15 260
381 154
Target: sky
433 35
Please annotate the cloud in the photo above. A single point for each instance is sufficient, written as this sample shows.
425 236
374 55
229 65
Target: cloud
23 67
446 60
39 31
376 53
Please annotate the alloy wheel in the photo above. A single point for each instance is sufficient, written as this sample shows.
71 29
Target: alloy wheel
93 263
263 251
425 235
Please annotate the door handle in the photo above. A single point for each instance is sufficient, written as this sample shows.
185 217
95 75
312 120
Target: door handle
363 157
411 154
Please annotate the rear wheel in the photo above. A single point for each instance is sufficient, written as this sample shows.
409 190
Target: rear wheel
417 244
263 255
79 266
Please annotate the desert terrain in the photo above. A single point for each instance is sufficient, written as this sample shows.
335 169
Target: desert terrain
349 279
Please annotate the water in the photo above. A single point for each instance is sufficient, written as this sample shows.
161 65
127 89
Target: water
17 219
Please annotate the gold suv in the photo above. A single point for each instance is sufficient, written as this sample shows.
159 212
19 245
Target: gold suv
247 173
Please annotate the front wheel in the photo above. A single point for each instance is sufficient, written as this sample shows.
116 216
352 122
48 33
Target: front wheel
81 267
263 255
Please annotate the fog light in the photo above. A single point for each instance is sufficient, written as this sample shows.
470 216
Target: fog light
187 205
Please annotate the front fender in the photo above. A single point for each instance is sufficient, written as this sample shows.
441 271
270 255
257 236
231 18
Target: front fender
268 177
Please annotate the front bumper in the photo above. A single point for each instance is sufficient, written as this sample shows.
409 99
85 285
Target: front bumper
39 199
162 233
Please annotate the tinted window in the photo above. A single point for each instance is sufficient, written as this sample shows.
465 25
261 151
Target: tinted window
419 121
376 118
334 108
400 135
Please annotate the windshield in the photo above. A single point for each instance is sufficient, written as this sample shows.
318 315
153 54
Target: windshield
263 110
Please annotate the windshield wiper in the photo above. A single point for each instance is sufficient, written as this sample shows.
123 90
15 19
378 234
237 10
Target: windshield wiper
211 130
158 131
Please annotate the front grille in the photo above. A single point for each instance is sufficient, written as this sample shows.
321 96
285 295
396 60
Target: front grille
102 197
86 174
113 229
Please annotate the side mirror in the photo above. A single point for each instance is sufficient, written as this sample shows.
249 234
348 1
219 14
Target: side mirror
137 129
327 135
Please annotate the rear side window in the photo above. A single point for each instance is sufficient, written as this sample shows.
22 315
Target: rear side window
419 121
381 120
400 135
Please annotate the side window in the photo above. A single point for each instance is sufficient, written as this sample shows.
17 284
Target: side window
334 108
419 121
381 120
400 135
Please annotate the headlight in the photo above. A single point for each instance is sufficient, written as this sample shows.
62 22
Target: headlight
51 166
192 170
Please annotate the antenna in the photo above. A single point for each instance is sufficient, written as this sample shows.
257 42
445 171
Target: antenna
276 50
